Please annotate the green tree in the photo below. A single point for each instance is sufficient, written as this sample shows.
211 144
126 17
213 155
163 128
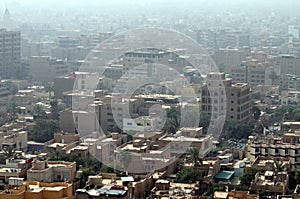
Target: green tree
273 75
204 121
237 130
248 176
173 120
256 96
13 89
85 173
212 189
54 109
9 152
12 109
193 156
297 175
296 114
187 174
279 112
38 111
170 126
279 166
49 89
44 130
256 112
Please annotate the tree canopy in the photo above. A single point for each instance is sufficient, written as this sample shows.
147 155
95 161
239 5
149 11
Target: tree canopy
44 130
187 174
237 130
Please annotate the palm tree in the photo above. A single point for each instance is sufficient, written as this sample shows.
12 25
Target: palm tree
9 152
170 126
193 156
279 166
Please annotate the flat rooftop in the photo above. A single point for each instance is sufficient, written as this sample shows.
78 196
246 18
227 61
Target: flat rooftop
224 175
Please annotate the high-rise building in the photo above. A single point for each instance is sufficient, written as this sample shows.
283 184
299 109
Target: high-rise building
10 53
235 99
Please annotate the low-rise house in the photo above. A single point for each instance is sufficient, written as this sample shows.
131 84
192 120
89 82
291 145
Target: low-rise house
269 163
52 171
166 189
18 189
270 182
104 185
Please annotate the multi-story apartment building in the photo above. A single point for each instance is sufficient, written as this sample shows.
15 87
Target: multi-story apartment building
288 81
10 53
234 99
226 58
274 146
150 55
45 69
254 72
289 64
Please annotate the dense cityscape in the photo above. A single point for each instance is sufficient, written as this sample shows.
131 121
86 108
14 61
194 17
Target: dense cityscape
149 99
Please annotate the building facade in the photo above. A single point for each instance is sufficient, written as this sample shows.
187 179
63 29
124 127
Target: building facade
10 53
235 100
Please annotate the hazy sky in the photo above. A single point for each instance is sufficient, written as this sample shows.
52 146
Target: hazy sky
243 4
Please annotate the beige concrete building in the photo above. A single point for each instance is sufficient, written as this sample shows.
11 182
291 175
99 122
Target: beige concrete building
84 122
16 139
6 173
268 163
253 74
30 190
288 64
167 189
52 171
186 138
225 58
234 99
270 182
285 146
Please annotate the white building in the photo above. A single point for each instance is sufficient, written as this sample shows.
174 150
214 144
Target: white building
144 123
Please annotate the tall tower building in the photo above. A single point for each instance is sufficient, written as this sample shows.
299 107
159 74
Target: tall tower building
7 20
6 16
10 53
